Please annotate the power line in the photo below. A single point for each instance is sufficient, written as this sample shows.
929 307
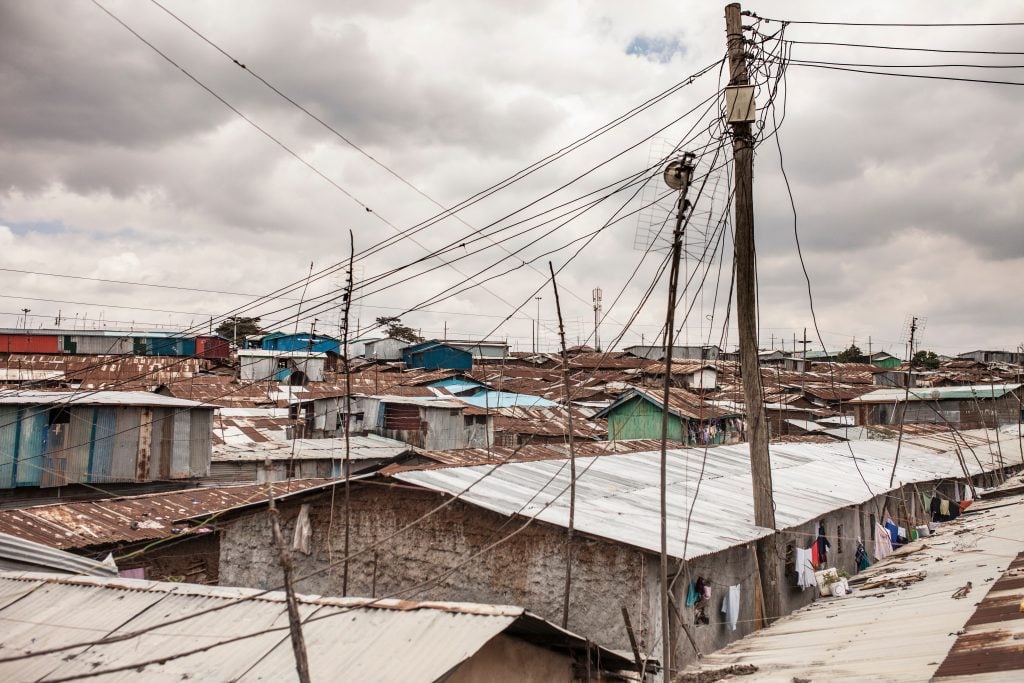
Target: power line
269 135
127 282
885 24
337 133
825 65
910 66
907 48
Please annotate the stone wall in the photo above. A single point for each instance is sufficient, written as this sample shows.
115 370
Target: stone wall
425 562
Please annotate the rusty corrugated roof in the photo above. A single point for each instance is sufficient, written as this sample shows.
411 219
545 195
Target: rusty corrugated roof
551 451
993 638
134 518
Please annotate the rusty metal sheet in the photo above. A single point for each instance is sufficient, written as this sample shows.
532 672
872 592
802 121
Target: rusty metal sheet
135 518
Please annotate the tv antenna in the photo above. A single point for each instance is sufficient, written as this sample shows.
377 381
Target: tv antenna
913 333
655 218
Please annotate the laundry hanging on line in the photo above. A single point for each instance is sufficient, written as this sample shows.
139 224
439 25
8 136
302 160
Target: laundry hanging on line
731 606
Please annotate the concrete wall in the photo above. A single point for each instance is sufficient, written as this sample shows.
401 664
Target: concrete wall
528 569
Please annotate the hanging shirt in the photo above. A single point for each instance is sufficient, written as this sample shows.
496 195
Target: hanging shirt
883 542
893 532
731 606
804 568
823 545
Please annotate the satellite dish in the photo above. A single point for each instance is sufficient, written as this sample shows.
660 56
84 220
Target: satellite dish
678 172
674 174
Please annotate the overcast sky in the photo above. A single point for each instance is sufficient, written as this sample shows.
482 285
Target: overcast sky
117 166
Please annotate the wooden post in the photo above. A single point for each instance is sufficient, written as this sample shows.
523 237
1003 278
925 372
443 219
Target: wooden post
906 401
294 619
346 469
746 309
632 640
572 453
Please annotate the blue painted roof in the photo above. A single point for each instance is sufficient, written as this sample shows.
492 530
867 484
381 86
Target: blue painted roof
457 385
506 399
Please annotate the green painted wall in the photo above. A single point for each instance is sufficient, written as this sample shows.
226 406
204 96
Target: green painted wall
640 419
888 363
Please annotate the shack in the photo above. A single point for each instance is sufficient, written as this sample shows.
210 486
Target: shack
991 405
437 356
52 439
637 415
498 533
290 367
432 424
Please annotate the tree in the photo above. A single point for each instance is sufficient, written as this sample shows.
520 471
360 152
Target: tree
926 359
396 329
239 327
852 355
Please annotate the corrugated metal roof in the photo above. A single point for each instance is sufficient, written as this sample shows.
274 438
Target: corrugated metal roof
353 638
553 421
95 398
903 633
506 399
679 367
548 451
618 495
421 401
134 518
979 391
991 648
806 425
368 447
24 555
15 374
268 353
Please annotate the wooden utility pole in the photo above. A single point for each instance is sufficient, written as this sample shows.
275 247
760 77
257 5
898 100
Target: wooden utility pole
804 342
683 170
567 395
346 467
746 309
292 604
906 399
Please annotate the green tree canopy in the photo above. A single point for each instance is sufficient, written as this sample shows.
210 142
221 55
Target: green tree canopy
926 359
852 355
239 327
394 328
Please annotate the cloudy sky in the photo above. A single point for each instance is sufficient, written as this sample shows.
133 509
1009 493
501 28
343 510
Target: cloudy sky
118 166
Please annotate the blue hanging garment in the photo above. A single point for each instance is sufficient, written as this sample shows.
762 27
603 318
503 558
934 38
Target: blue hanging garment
691 594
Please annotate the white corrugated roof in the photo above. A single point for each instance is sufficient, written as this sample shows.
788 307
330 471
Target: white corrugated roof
24 554
368 447
96 398
346 638
15 374
618 495
897 395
